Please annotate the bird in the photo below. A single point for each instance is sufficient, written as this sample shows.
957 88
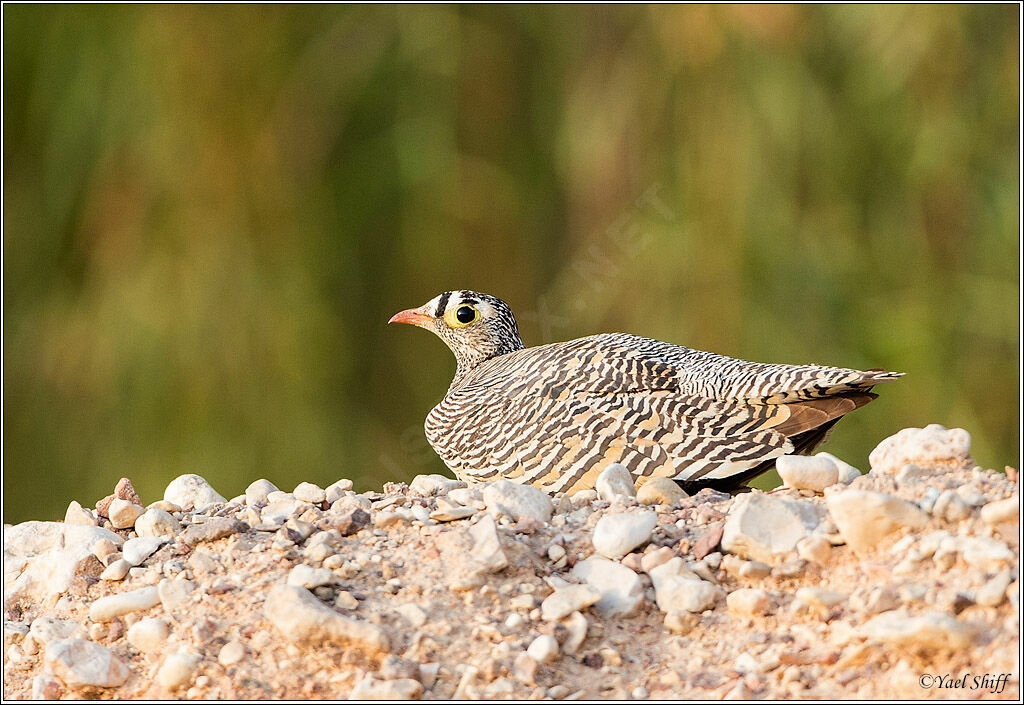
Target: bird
555 416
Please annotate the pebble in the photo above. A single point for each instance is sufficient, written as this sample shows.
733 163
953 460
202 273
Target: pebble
81 663
111 606
749 601
524 669
169 507
681 621
41 557
103 548
123 513
173 592
156 522
801 472
761 527
815 548
77 514
345 600
310 577
1002 510
486 548
516 501
210 530
137 550
820 597
302 618
576 625
993 592
677 588
231 653
413 614
653 558
336 490
434 485
370 688
189 491
909 475
46 629
660 490
618 534
984 553
177 669
620 588
449 511
933 630
46 687
864 517
308 492
258 491
543 649
566 600
928 446
615 482
951 507
148 634
847 473
116 570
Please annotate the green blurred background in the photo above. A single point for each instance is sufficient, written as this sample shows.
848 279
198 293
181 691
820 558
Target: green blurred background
210 212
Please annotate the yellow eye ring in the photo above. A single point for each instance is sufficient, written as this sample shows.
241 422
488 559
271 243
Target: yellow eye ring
462 315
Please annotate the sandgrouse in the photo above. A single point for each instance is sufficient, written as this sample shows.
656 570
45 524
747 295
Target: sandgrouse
555 416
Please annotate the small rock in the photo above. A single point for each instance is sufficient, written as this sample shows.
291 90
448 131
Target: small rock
576 625
516 501
302 618
189 491
909 475
258 491
123 490
749 601
173 592
617 534
676 588
231 653
308 492
46 687
76 514
210 530
156 522
984 553
864 517
951 507
433 485
820 597
148 634
755 570
801 472
815 548
451 512
370 688
46 629
660 490
1000 511
81 663
543 649
104 548
620 588
337 490
112 606
652 559
566 600
169 507
137 550
177 670
709 540
992 593
761 527
933 630
123 513
345 601
615 482
524 669
349 521
413 614
847 473
487 549
928 446
681 621
116 570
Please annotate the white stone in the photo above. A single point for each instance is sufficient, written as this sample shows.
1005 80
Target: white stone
615 482
231 653
82 663
620 588
40 556
156 522
148 634
815 548
984 553
749 601
123 513
308 492
258 491
189 491
516 501
762 527
106 608
278 512
847 473
928 446
660 490
370 688
137 550
566 600
820 597
337 490
486 548
302 618
116 570
1003 510
543 649
178 669
576 625
618 534
864 518
951 507
46 629
993 592
173 592
76 514
677 588
413 614
933 630
309 577
434 485
801 472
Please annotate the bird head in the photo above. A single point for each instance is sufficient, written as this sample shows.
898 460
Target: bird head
475 326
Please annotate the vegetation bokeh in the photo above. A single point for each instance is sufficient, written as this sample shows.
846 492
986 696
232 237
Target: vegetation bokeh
210 212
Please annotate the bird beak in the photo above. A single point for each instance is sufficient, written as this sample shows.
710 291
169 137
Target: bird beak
413 316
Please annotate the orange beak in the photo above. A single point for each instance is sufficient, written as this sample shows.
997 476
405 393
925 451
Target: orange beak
412 316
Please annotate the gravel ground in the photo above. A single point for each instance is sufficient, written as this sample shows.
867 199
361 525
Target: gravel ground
902 582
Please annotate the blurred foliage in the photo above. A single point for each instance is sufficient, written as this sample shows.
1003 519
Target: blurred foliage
210 212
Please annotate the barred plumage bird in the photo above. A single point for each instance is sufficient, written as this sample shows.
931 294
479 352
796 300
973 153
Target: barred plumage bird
557 415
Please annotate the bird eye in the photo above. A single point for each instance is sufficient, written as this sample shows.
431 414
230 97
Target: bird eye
463 316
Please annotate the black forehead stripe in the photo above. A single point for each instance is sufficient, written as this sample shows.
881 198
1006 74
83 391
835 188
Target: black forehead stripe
442 304
471 302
